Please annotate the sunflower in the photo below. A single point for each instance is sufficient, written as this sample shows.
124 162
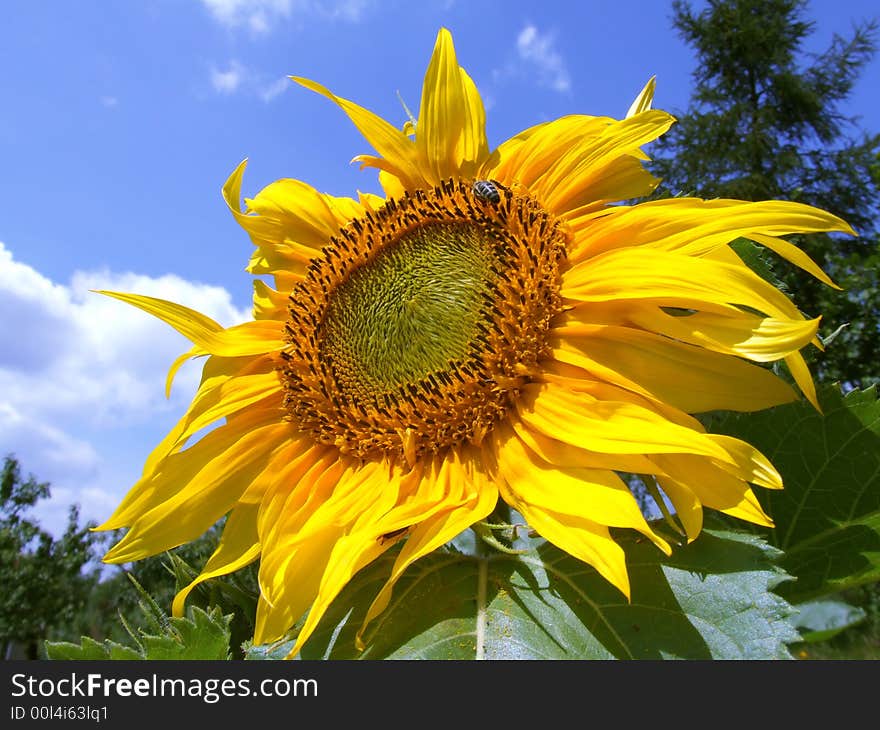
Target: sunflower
497 329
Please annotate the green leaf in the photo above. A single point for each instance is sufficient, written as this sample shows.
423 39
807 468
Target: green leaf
90 649
204 636
821 620
711 599
201 635
828 516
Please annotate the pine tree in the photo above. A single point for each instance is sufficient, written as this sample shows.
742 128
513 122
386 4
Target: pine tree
765 123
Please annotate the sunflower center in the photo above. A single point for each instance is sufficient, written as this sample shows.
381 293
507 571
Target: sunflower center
411 311
420 322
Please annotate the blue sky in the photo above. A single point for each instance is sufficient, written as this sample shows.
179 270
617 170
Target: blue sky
121 120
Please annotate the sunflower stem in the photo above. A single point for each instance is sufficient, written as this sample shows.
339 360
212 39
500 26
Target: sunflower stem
480 629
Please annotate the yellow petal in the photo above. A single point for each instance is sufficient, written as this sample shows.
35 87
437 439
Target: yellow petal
598 495
528 156
282 470
355 544
714 381
580 162
713 486
696 227
391 185
363 489
288 221
467 494
794 255
289 578
249 338
231 397
567 354
740 333
398 152
283 241
239 546
348 555
642 102
289 502
687 506
293 213
422 495
746 462
584 539
194 489
575 381
801 374
578 173
214 371
285 281
269 303
176 365
609 426
260 392
562 454
451 130
287 591
622 178
671 279
147 492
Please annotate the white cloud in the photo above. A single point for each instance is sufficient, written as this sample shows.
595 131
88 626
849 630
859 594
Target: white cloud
539 50
56 450
109 101
276 88
261 16
350 10
82 377
257 15
236 79
228 81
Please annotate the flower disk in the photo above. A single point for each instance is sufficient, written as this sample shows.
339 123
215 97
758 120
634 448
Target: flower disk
419 324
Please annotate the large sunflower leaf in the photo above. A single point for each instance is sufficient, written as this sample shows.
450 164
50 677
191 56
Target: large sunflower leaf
828 516
711 599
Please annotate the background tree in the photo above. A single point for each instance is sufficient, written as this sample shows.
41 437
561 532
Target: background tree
765 122
57 590
46 582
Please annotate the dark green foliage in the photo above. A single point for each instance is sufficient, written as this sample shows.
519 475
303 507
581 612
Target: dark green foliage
828 516
55 590
860 609
46 581
765 123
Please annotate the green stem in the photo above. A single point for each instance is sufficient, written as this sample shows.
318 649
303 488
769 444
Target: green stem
485 535
482 584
